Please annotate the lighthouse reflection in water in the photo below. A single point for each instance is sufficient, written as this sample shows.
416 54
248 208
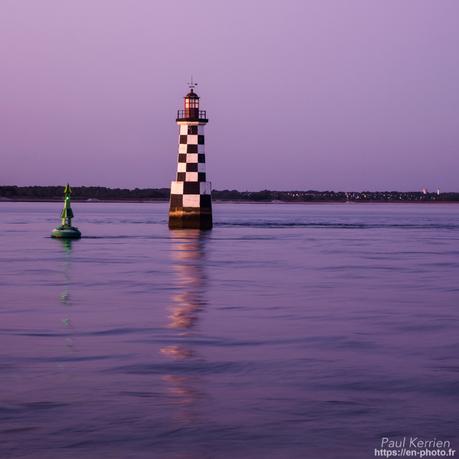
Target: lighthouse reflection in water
187 304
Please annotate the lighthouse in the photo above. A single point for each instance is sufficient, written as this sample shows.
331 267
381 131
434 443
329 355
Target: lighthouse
190 201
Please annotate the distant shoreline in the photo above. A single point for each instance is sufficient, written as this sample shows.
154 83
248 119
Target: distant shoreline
220 201
104 194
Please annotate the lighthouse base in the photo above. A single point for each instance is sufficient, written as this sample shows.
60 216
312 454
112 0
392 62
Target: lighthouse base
190 218
190 205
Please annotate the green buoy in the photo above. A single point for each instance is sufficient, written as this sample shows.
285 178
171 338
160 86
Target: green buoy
65 230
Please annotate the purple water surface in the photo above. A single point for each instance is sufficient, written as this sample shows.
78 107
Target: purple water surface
286 332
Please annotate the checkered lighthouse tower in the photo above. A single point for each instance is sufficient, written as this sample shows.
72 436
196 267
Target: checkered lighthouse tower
190 202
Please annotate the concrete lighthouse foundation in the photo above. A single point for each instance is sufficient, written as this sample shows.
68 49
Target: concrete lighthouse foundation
190 201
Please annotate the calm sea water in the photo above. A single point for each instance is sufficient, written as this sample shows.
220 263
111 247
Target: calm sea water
287 332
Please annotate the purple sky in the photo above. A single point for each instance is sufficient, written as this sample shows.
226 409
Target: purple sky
307 94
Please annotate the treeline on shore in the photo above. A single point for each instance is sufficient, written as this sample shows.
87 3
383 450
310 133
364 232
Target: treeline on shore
97 193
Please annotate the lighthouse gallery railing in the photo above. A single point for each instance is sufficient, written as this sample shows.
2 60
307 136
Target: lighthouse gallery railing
192 114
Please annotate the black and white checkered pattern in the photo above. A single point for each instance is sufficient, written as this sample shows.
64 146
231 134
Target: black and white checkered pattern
191 190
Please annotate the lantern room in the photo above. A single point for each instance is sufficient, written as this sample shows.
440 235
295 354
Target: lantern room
191 104
191 110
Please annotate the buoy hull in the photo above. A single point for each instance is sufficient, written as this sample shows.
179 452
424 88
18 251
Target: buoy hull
69 232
